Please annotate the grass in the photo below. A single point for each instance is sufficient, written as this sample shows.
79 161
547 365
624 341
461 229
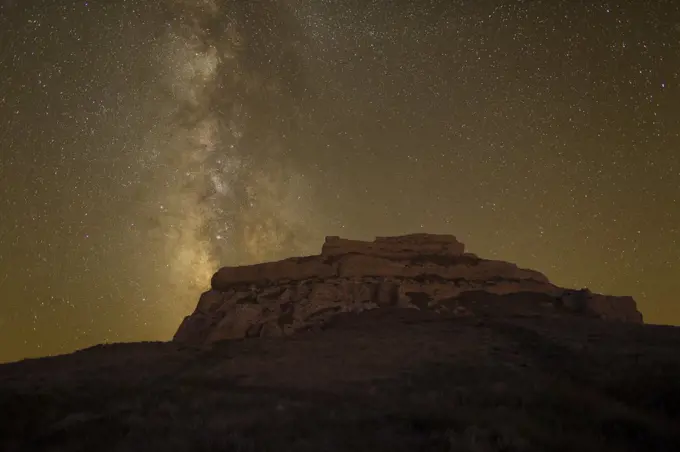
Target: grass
407 383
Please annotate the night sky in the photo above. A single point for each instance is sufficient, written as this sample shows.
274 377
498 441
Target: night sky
144 144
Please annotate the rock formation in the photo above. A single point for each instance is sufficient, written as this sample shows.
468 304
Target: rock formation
417 271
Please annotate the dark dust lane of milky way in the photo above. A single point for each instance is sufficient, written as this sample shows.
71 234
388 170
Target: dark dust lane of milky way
145 144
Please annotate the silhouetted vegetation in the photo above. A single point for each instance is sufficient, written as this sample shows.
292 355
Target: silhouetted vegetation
393 380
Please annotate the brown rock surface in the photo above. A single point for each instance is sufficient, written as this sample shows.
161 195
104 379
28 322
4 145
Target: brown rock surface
401 247
417 271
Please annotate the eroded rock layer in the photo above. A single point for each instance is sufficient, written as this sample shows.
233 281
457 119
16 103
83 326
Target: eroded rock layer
417 271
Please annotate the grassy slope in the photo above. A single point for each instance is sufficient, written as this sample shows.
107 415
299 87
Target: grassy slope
384 380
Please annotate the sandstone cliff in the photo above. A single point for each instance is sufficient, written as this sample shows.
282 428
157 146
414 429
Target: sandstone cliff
417 271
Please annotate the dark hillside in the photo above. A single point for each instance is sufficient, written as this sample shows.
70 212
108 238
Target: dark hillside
388 379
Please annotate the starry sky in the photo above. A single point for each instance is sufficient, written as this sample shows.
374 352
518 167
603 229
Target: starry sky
144 144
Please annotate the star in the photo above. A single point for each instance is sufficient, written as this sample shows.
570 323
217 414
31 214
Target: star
146 144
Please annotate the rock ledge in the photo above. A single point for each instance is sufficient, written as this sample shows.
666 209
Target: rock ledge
417 271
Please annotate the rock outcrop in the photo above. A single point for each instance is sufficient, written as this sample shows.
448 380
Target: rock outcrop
417 271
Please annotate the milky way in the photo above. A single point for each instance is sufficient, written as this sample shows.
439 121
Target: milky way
223 188
144 144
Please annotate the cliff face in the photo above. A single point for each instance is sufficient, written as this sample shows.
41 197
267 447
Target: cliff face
417 271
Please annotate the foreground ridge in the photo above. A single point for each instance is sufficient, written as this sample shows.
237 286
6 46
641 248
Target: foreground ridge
417 271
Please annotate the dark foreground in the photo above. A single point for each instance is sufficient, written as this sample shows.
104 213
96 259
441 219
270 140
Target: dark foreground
380 381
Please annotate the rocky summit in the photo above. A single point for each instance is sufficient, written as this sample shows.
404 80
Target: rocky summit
418 271
423 347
